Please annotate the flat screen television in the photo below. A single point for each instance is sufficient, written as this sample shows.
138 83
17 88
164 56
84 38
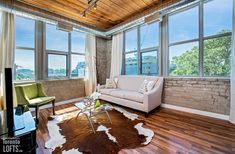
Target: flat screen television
9 101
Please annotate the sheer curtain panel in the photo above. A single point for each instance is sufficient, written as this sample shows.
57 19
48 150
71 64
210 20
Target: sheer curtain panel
90 59
7 50
116 56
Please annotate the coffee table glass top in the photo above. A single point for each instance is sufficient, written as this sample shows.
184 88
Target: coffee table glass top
89 110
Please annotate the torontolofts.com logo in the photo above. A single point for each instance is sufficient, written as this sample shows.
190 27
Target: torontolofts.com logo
10 145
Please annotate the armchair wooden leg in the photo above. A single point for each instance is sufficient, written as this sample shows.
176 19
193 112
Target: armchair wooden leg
53 107
37 114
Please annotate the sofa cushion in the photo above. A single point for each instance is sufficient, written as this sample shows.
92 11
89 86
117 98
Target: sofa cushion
124 94
106 91
134 96
118 93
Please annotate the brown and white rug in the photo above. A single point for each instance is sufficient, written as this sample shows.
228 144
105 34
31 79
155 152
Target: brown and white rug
71 135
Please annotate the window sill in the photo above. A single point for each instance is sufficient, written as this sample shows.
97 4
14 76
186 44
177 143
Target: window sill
61 79
48 79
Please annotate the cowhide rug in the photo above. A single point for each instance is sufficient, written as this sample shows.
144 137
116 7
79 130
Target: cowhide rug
71 135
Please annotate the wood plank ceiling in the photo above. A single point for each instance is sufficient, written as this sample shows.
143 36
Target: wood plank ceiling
109 13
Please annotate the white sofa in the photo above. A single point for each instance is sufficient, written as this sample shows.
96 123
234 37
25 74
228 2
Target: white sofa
127 93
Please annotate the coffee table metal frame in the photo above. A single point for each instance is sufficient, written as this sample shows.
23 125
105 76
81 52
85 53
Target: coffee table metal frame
91 111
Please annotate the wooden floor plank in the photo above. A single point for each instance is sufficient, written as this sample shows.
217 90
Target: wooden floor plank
175 132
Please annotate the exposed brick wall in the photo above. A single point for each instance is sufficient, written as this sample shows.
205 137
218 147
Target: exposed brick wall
207 94
64 89
103 58
108 57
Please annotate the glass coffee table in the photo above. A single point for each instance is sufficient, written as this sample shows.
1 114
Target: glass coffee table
90 110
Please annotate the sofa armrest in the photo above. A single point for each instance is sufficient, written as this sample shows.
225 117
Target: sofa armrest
153 98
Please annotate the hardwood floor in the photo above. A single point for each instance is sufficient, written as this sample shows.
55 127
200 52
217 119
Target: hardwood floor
175 132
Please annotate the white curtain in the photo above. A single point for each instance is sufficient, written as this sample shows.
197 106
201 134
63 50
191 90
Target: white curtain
232 104
90 58
116 56
7 50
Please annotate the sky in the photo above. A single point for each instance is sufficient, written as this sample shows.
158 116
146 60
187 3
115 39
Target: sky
183 26
149 35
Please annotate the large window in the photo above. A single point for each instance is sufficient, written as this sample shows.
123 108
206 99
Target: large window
201 53
25 49
183 43
141 50
65 52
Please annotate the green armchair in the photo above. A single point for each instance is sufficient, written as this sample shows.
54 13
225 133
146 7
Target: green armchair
33 96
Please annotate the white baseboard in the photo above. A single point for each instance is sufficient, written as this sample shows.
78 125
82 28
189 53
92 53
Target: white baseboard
195 111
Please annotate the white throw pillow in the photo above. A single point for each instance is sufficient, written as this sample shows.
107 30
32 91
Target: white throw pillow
150 85
143 87
110 84
146 86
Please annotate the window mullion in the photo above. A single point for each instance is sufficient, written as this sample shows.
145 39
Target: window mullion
201 42
124 55
139 62
69 57
166 41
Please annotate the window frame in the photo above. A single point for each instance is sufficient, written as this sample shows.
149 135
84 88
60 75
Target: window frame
139 51
68 55
29 49
201 38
